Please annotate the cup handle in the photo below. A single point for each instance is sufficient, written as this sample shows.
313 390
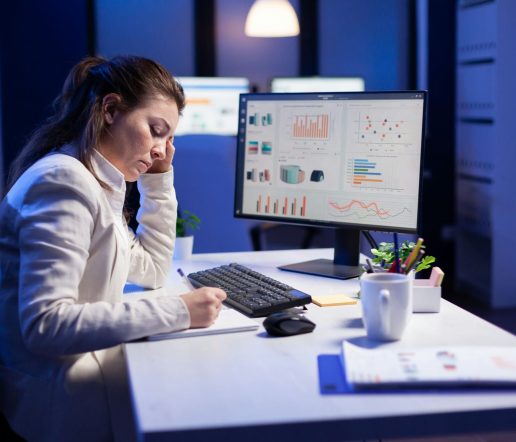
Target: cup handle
384 313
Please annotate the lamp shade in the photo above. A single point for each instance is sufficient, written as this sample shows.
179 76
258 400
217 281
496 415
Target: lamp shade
271 18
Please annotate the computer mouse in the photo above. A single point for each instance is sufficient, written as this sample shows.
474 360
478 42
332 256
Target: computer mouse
287 324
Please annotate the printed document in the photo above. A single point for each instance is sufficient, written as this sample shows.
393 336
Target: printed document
432 366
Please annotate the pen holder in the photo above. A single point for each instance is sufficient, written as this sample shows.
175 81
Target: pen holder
425 297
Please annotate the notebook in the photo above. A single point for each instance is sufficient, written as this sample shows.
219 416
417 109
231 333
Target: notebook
229 321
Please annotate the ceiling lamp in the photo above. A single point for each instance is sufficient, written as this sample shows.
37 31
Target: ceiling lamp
271 18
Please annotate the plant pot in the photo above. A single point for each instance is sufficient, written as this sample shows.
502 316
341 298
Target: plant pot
183 248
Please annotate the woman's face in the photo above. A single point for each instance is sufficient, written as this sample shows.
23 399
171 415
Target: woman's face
134 140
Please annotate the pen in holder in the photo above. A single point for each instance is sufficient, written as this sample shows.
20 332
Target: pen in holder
408 255
412 257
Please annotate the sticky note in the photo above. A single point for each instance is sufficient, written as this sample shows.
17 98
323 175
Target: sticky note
333 300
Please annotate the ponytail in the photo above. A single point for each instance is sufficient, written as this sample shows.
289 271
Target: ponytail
78 116
64 126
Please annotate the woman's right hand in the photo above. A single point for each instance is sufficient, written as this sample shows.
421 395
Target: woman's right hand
204 305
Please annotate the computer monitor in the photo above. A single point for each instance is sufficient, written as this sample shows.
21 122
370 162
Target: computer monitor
350 161
317 84
211 105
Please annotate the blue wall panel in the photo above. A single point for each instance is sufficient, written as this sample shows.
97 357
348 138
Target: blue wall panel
2 172
204 177
158 29
367 38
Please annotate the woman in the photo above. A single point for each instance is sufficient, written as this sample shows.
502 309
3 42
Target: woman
66 251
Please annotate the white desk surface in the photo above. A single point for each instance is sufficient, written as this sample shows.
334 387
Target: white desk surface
248 386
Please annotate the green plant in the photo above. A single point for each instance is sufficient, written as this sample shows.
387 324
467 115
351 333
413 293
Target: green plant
186 222
384 255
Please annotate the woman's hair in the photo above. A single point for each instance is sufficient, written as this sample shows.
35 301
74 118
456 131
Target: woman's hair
78 115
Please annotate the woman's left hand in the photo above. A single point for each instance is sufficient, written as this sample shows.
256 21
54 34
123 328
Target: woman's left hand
164 165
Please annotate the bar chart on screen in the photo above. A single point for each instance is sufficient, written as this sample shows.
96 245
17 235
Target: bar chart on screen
380 174
314 126
281 205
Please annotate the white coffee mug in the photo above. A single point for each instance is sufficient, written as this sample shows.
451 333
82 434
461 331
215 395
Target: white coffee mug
386 304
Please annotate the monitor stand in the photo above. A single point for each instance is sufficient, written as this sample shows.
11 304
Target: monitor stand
345 264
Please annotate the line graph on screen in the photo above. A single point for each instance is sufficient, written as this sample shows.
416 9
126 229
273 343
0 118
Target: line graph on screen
360 210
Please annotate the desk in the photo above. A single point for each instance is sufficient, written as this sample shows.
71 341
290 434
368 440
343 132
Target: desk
250 387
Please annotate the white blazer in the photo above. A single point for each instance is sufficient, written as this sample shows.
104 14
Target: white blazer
65 256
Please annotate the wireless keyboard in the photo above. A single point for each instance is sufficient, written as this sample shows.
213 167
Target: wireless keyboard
250 292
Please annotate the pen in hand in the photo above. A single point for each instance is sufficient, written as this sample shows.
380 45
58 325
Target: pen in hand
189 284
185 279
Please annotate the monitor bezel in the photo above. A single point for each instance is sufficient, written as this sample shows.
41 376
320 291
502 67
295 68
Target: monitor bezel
240 162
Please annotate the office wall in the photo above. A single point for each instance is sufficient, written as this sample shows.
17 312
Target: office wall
422 44
504 207
164 30
159 29
2 178
439 163
40 42
365 38
258 59
486 154
356 37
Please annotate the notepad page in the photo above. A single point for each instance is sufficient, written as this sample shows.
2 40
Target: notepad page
229 321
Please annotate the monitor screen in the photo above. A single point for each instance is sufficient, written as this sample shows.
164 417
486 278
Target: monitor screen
211 105
351 161
317 84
